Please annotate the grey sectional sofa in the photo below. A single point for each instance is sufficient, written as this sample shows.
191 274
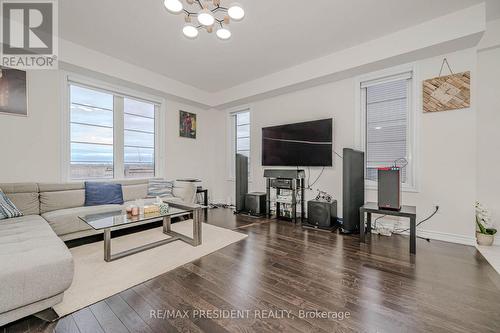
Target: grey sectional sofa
36 267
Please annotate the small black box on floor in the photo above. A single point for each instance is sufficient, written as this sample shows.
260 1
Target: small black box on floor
255 203
389 188
321 215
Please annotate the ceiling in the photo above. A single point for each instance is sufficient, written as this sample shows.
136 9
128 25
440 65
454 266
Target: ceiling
273 36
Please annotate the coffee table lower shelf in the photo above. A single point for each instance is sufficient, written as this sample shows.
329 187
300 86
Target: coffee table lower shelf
175 236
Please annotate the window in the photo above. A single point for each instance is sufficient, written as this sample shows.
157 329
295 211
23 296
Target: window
91 134
243 134
386 103
111 135
240 137
139 138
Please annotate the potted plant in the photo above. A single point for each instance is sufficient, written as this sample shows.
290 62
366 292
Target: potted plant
484 233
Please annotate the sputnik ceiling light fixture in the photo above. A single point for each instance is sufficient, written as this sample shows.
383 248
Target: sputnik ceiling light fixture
209 15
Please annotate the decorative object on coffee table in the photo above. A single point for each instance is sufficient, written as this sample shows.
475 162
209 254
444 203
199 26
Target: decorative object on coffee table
164 207
444 93
13 98
187 124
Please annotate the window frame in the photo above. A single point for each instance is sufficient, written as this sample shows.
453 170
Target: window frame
232 140
413 120
119 94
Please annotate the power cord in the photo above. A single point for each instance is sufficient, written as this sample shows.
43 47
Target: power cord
309 185
401 159
375 221
398 232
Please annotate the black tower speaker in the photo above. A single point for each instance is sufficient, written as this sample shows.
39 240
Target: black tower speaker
241 182
322 214
389 188
255 203
353 189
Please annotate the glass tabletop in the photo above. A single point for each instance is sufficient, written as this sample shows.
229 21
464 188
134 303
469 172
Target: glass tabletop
117 218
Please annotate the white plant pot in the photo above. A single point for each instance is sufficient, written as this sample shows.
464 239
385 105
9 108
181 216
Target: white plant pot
484 240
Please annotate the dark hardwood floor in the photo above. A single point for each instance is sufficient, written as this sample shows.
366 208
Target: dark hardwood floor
281 270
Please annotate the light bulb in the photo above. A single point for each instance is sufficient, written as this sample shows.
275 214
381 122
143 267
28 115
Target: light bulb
206 18
190 31
173 6
223 34
236 12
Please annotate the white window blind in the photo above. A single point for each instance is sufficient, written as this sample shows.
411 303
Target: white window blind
387 106
240 137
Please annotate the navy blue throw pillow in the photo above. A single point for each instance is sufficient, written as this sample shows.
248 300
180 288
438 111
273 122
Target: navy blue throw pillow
97 193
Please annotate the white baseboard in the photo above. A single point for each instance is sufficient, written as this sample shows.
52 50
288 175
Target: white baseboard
445 237
436 235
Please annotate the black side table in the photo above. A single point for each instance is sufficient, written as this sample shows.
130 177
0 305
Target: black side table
405 211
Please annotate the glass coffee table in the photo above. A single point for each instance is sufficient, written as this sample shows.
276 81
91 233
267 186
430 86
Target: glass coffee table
119 219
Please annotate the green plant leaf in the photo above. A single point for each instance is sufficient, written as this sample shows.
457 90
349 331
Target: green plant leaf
491 231
482 229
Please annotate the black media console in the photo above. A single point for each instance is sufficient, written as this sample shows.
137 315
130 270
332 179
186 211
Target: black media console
289 186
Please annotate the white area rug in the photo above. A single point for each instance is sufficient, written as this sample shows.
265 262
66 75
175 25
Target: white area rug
96 279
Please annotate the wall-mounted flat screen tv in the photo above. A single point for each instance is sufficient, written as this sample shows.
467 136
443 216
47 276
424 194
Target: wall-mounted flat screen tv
301 144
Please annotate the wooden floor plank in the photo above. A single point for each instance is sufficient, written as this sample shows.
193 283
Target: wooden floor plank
66 325
86 321
107 319
127 315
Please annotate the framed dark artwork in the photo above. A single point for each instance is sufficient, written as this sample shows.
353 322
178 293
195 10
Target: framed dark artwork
13 97
187 124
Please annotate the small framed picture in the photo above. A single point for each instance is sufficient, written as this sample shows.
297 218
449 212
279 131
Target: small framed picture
187 124
13 97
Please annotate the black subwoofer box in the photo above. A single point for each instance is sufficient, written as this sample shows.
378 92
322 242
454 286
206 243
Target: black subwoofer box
322 215
255 203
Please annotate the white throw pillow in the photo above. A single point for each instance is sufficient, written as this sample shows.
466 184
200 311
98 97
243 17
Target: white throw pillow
186 191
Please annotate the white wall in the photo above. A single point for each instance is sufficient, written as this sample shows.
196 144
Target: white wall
446 147
30 145
201 158
488 127
32 149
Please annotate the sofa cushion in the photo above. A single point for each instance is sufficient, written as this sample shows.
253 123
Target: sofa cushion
160 188
55 196
97 193
66 221
35 263
24 196
134 191
50 201
7 208
186 191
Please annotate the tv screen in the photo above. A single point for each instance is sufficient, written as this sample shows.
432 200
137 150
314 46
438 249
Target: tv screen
301 144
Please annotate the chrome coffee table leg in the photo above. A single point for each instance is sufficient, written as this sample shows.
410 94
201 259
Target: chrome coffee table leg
167 223
197 226
107 245
167 229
